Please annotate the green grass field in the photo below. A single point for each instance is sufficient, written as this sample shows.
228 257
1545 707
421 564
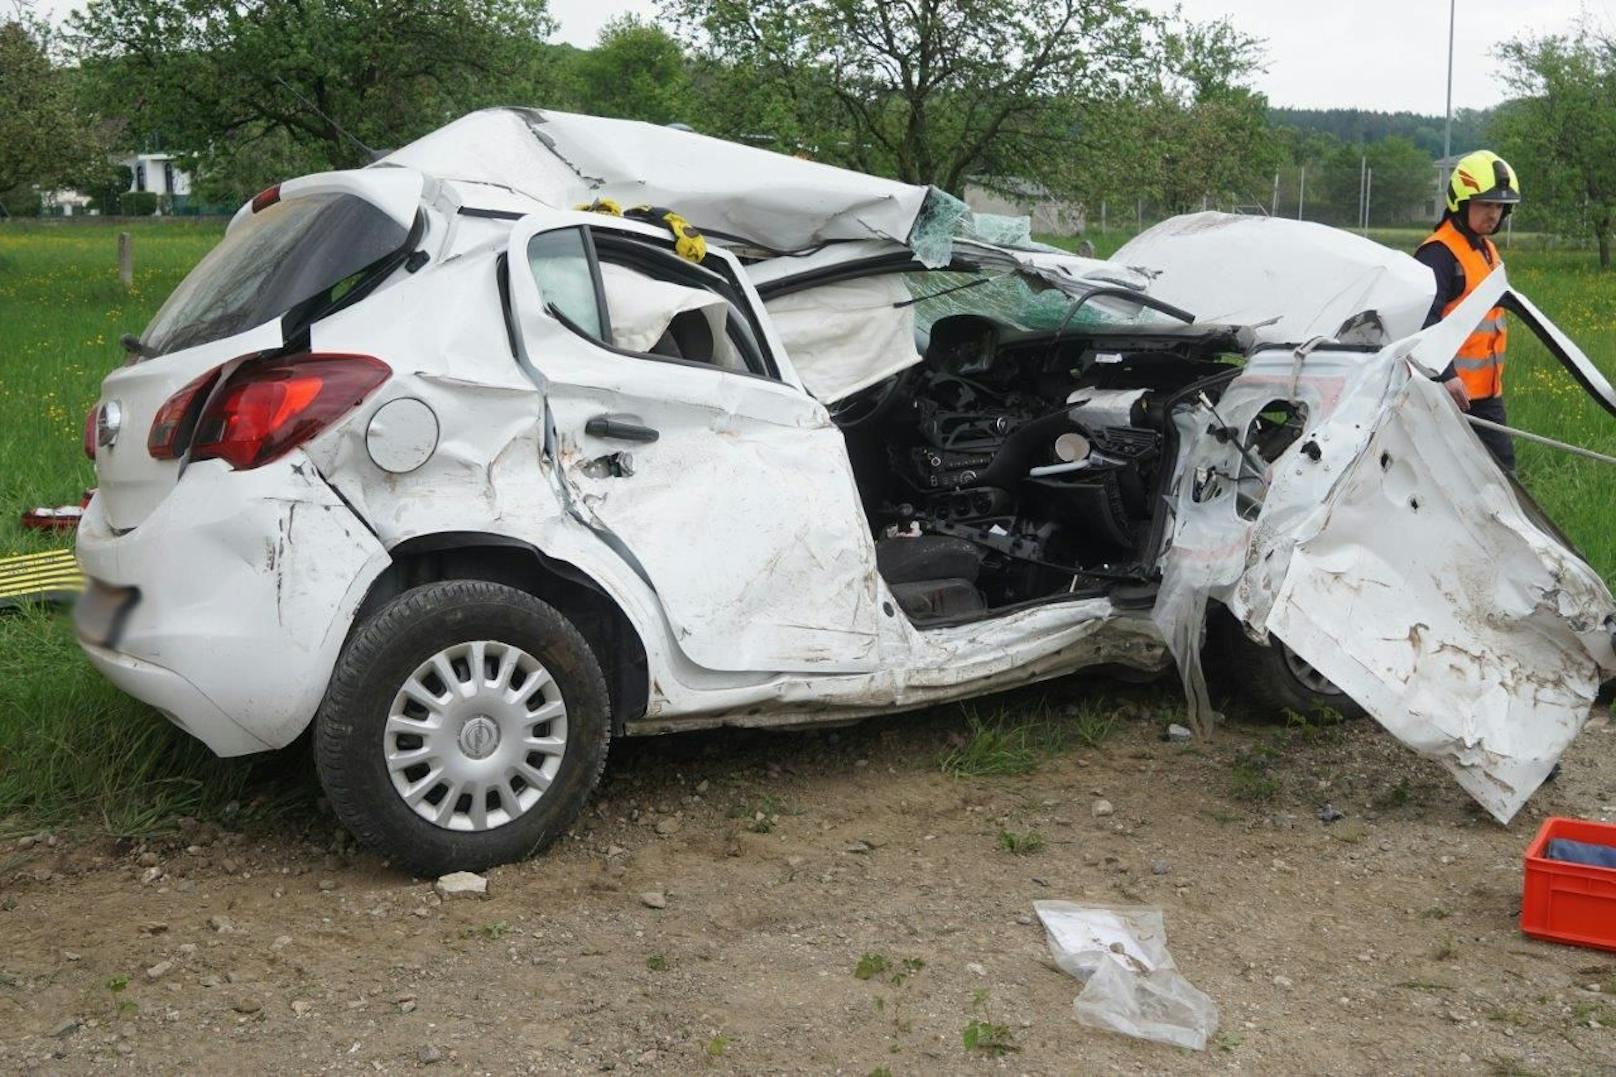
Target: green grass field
74 748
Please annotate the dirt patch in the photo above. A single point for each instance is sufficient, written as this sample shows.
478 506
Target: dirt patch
835 902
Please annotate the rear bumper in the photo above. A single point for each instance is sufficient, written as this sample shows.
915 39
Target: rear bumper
182 702
247 583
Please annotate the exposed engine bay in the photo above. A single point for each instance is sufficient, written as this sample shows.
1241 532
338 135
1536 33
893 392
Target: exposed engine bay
1013 466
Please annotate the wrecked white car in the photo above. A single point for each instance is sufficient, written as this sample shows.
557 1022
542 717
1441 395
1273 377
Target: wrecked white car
474 481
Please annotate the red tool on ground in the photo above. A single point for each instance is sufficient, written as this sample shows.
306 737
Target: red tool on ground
61 518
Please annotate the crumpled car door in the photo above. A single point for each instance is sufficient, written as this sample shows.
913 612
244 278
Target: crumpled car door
729 493
1393 555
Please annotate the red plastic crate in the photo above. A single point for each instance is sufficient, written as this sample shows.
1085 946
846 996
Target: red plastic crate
1566 902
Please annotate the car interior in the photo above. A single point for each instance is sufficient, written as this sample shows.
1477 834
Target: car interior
1014 466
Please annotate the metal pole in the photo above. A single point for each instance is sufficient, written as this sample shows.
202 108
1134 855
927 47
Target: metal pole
1275 211
1540 439
1301 193
1447 129
1368 197
1102 216
1363 171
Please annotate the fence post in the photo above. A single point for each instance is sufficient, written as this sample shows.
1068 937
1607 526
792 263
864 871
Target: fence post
126 259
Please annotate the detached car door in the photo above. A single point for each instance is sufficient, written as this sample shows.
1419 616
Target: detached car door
680 436
1396 558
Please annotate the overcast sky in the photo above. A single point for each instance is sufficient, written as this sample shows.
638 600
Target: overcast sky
1378 54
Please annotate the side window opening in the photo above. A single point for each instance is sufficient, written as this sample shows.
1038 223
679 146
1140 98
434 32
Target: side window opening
636 298
670 319
710 322
562 267
1273 430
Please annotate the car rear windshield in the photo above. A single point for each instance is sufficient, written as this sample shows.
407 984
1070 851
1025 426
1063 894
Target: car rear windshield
279 257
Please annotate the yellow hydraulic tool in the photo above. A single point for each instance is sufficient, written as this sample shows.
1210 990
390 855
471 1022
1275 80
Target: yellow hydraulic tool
51 576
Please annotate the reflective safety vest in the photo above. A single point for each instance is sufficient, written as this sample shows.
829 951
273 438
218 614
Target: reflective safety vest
1480 362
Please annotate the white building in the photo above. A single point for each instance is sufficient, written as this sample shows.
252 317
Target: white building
67 203
158 173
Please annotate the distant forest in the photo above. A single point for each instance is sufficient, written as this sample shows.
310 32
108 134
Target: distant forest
1358 126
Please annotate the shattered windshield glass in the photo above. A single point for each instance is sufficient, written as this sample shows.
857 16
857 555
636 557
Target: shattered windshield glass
1022 302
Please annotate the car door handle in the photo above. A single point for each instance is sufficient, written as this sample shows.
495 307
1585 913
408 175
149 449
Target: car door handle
620 428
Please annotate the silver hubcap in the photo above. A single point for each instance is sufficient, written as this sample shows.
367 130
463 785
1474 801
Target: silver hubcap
1306 675
475 735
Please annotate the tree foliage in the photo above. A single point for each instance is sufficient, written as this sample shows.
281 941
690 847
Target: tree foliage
46 138
1194 130
1560 134
307 79
636 71
1356 125
1402 178
928 91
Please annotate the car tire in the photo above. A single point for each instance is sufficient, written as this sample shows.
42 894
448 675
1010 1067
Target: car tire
451 681
1269 680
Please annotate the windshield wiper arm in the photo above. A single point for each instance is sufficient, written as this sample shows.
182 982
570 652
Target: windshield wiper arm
135 346
946 291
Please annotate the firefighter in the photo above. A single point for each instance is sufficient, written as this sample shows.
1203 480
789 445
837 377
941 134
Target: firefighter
1481 193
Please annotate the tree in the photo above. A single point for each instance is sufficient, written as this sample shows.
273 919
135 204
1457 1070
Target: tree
1360 125
1198 131
927 91
333 78
46 139
636 71
1561 133
1403 179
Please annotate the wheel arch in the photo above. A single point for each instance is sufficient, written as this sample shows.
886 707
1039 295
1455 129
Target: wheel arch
477 555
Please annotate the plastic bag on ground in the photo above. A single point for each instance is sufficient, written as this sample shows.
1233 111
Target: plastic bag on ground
1130 983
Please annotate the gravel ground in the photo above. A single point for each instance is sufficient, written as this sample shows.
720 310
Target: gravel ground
835 903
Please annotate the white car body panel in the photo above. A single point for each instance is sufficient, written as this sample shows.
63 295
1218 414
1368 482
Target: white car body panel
1400 563
394 191
743 513
249 582
1290 281
735 545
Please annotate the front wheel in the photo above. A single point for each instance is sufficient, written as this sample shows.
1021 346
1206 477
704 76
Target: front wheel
1272 680
465 726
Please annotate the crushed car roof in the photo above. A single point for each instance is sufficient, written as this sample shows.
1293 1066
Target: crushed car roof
564 160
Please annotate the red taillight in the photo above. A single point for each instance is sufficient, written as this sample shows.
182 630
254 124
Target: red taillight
177 417
266 198
90 422
270 406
